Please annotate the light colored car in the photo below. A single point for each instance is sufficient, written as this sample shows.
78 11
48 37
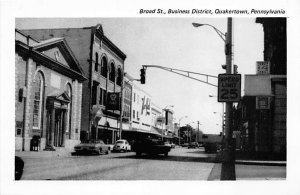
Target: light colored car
122 145
92 146
167 144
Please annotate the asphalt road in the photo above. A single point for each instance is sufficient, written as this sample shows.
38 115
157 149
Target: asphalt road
181 164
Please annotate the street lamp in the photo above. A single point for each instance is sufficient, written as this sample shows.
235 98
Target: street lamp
179 128
222 35
228 168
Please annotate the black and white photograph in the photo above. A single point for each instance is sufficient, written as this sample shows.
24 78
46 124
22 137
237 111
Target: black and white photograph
171 98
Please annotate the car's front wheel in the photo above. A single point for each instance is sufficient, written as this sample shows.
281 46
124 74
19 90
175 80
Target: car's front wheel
166 154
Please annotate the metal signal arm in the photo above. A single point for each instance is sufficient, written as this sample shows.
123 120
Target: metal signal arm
185 73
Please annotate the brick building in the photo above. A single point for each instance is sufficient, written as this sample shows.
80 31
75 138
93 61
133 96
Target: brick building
263 108
48 92
103 64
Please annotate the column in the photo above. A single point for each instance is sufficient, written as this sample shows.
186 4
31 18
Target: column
64 126
52 127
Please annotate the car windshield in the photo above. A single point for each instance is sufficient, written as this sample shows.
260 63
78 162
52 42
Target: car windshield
119 142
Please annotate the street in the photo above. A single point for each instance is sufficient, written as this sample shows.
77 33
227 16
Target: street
181 164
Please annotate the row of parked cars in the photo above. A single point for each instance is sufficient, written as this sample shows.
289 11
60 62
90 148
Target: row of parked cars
143 146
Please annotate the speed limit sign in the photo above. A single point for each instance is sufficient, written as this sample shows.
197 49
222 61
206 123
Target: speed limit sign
229 87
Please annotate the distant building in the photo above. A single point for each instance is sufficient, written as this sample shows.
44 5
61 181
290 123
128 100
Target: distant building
141 110
103 64
48 94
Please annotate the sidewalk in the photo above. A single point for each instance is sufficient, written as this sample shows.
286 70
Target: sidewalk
248 169
60 152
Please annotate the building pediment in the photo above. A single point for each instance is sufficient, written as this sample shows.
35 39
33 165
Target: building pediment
58 100
58 50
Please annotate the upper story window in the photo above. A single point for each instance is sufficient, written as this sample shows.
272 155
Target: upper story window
112 73
96 62
102 97
119 76
104 67
38 100
94 93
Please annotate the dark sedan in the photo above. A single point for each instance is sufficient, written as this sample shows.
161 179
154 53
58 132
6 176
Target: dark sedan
150 146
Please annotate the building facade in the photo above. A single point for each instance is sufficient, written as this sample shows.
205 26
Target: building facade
263 109
103 64
48 94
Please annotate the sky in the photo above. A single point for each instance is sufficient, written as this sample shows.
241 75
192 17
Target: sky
175 43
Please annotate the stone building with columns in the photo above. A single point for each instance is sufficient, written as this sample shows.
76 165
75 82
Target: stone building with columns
103 64
48 94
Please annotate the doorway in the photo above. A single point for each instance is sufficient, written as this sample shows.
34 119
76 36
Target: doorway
59 128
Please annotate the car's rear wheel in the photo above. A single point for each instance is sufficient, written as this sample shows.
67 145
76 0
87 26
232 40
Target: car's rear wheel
138 153
166 154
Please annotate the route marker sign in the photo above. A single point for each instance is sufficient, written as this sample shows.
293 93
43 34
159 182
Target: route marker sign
229 87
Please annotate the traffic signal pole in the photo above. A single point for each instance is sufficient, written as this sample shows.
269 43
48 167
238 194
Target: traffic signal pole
228 164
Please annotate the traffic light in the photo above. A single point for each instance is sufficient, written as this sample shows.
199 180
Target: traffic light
143 76
235 69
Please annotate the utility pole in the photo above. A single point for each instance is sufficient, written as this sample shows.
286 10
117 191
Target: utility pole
197 132
228 166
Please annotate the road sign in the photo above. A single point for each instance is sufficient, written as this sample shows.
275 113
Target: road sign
229 87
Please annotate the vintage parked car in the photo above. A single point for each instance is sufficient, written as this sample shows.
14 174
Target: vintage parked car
92 146
193 145
150 146
122 145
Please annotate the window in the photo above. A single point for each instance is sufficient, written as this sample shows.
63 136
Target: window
133 114
38 101
102 97
104 67
112 73
96 63
134 97
94 93
119 77
69 114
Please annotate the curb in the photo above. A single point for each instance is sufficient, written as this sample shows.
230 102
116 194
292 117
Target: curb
264 163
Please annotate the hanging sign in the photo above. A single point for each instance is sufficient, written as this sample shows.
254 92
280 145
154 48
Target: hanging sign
113 101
